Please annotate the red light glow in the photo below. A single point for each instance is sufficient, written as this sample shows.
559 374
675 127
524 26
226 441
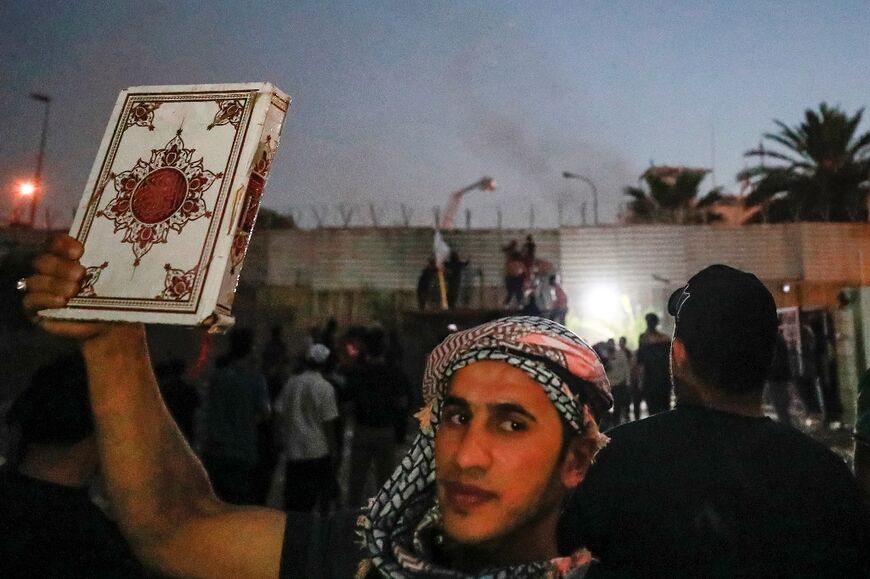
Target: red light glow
26 189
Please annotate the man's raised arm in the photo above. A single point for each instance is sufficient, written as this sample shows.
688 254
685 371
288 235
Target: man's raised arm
161 493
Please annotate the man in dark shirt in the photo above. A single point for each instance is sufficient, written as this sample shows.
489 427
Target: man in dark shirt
236 404
49 527
713 488
652 361
509 430
378 395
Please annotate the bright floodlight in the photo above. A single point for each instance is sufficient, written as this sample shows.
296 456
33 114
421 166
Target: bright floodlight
26 189
603 303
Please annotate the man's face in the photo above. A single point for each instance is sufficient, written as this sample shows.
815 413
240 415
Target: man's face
497 456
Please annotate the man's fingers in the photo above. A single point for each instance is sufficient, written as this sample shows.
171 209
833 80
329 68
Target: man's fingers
53 285
66 247
51 265
47 292
34 302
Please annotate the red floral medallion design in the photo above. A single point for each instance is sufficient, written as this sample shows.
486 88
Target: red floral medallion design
229 113
256 184
178 284
163 193
92 275
158 195
142 114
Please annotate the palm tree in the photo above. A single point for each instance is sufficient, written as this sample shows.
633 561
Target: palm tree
823 173
671 196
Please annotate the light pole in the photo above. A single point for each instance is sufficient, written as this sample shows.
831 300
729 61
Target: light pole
38 177
588 181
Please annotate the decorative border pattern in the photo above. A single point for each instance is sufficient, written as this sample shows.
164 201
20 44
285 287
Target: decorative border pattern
151 305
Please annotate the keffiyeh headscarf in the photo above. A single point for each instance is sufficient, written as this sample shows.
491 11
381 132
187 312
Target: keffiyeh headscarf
403 514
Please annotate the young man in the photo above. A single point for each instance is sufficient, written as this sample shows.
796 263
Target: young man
495 511
714 488
49 526
652 363
379 398
236 405
307 412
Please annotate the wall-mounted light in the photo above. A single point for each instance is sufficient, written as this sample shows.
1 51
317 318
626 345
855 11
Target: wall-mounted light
786 288
603 303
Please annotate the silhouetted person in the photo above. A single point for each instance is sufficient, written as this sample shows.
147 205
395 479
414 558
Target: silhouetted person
307 411
778 381
236 403
807 382
377 399
424 283
714 488
453 269
49 526
275 361
275 364
652 360
514 276
394 357
559 309
529 250
619 374
633 381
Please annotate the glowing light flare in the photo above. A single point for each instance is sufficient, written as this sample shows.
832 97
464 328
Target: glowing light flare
26 189
603 303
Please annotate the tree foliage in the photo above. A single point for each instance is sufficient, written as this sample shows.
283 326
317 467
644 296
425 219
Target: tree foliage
671 196
270 219
820 169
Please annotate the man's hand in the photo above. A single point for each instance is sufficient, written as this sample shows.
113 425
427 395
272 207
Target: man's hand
160 492
57 279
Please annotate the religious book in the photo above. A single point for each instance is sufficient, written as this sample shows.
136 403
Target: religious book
171 203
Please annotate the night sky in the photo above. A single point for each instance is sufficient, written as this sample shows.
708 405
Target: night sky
404 102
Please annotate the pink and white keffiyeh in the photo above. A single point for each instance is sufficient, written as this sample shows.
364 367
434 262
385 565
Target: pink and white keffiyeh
404 510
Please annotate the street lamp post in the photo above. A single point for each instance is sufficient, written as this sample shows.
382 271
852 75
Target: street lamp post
588 181
38 177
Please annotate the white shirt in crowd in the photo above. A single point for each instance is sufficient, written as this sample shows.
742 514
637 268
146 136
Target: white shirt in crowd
304 406
618 368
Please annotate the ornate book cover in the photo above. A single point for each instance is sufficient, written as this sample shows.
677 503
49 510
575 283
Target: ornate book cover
171 202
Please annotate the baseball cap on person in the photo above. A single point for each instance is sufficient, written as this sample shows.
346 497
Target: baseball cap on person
727 320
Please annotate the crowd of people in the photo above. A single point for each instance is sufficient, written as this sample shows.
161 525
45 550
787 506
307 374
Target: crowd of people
278 420
532 286
640 381
509 474
450 280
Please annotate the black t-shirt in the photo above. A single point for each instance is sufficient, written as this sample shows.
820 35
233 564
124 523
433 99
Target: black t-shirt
700 493
49 530
654 355
321 547
379 393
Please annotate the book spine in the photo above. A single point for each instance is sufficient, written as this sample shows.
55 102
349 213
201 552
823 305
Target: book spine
246 217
